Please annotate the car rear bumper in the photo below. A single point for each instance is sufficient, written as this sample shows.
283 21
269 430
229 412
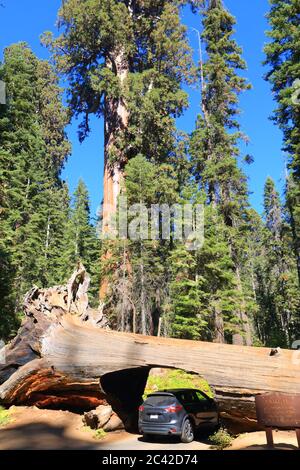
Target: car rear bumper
159 429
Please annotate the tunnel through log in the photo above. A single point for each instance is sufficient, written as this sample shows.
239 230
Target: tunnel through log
124 391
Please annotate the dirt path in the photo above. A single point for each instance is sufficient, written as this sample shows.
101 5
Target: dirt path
35 429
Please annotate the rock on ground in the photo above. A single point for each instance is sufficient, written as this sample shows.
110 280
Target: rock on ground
97 418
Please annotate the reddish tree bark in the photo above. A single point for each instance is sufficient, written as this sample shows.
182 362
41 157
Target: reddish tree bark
116 122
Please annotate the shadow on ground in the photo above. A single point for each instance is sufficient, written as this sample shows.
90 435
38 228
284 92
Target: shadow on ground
277 446
40 436
202 438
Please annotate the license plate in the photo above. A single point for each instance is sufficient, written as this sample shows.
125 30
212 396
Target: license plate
153 416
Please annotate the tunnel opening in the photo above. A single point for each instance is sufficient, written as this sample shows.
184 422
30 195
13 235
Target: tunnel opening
124 392
126 389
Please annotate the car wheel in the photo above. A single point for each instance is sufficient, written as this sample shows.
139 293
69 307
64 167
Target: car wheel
187 433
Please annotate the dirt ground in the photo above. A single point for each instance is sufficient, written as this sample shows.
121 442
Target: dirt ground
35 429
283 440
32 428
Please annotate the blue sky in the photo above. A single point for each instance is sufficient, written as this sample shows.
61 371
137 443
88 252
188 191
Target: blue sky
26 20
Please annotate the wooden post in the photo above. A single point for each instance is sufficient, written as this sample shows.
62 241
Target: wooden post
298 436
269 434
159 327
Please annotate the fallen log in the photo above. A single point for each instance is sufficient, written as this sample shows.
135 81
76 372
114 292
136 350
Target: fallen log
62 353
99 417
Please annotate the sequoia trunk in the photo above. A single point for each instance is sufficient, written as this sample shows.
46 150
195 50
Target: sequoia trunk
116 122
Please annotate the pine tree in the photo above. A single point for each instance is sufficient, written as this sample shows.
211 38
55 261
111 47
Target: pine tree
255 268
81 241
32 151
186 319
56 239
138 265
203 294
280 279
282 55
9 321
272 209
273 273
20 137
214 144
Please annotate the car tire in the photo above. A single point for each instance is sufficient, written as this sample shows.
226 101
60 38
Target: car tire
187 432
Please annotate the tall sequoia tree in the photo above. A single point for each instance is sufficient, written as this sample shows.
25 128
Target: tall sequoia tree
126 61
282 55
214 145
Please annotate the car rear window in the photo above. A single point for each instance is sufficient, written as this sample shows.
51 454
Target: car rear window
190 396
160 400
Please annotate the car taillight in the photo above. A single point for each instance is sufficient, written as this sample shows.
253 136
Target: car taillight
141 408
173 409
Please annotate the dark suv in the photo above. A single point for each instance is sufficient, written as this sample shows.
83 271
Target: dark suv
177 412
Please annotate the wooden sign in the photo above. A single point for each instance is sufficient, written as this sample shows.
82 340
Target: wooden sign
279 411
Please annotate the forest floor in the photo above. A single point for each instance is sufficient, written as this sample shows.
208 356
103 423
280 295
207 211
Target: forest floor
35 429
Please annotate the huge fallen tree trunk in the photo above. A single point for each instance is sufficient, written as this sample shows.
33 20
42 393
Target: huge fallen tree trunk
63 349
